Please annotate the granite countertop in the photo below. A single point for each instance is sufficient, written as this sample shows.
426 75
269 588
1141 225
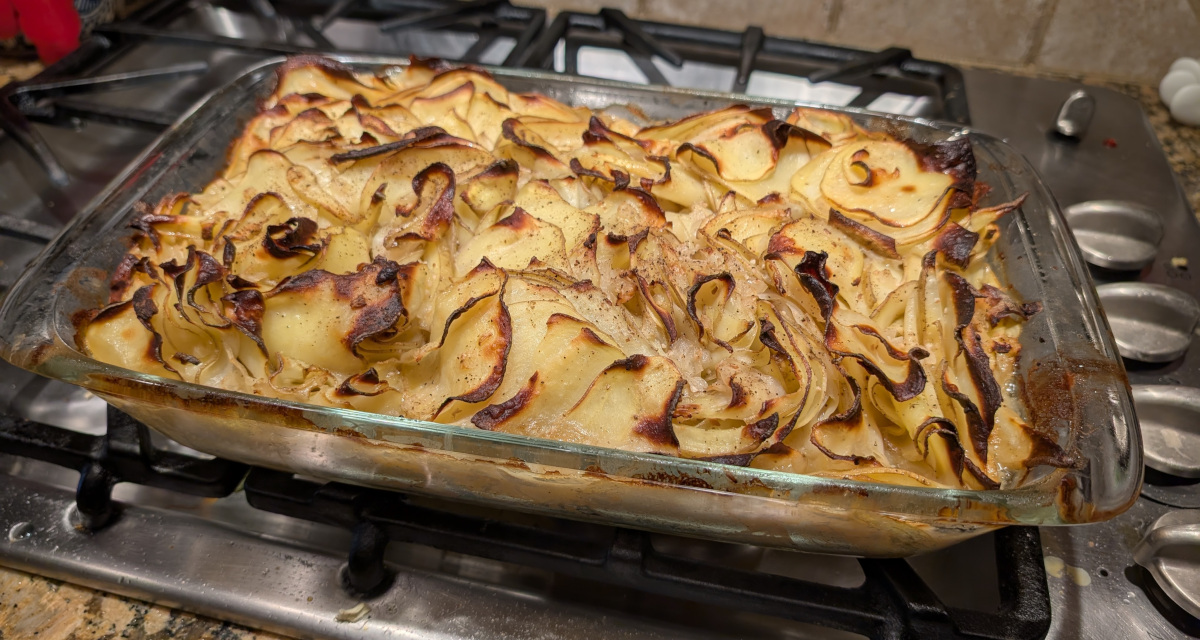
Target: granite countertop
1180 142
37 607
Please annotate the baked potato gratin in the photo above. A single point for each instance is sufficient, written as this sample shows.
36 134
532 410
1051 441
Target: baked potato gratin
798 294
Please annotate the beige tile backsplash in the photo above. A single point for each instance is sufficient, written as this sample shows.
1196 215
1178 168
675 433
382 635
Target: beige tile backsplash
1128 39
995 31
784 18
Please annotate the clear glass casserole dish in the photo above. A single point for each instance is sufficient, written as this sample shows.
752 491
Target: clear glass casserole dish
1072 379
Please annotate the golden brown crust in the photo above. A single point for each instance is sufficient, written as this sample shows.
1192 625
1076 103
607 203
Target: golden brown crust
793 294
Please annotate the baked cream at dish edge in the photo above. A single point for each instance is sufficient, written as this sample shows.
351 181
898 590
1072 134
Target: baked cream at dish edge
798 294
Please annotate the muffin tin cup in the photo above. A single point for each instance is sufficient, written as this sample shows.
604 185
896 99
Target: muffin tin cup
1115 234
1150 322
1169 416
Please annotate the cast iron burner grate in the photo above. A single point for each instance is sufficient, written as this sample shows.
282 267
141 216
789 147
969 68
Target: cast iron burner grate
292 29
890 71
893 602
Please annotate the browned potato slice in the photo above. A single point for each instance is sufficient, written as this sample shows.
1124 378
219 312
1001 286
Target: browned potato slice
485 191
121 334
391 120
449 80
278 251
543 202
837 128
570 355
844 262
514 243
258 130
309 126
883 185
560 136
671 181
320 318
629 406
525 146
486 117
707 126
539 106
745 153
417 73
304 75
798 151
394 185
752 228
448 110
628 212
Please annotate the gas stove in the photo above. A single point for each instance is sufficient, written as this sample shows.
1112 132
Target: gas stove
90 496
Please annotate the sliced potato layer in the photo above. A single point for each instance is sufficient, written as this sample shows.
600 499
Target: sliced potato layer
790 293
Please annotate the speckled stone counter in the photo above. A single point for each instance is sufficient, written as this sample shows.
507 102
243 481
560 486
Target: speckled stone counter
1180 142
33 607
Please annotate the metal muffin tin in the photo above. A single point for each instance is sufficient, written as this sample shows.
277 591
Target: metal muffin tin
1117 158
1141 239
1170 419
1150 322
1115 234
1136 230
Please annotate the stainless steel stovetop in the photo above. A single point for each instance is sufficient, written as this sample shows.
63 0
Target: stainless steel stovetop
165 546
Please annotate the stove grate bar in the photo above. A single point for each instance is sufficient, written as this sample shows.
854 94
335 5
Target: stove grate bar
123 454
892 69
183 37
20 101
487 36
894 603
112 81
265 582
526 38
315 34
27 230
439 18
15 124
752 42
866 64
335 11
638 39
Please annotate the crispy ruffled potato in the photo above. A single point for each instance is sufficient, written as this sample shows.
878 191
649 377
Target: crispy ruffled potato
795 294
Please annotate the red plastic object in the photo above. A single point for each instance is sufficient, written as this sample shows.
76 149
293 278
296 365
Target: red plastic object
8 20
51 25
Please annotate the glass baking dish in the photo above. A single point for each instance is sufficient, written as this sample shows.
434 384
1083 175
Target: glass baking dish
1075 384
